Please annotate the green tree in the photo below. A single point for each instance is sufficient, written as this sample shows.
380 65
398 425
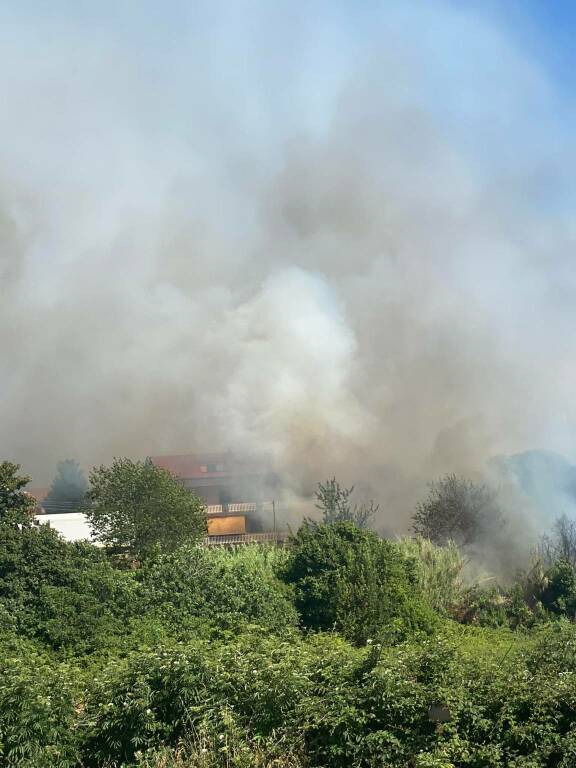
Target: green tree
351 580
456 509
69 488
16 506
336 505
136 506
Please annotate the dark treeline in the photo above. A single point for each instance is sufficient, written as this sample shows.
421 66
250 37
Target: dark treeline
339 649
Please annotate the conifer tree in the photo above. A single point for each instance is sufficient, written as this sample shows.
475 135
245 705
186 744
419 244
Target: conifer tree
69 488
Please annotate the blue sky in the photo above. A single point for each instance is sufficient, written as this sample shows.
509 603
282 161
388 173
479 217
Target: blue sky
547 26
268 49
550 32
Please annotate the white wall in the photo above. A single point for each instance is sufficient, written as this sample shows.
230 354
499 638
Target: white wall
73 526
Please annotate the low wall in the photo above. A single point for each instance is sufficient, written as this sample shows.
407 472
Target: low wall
73 526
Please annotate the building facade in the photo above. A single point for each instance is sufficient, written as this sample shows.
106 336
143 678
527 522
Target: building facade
237 492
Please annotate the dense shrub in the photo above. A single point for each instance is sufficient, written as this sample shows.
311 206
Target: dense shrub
328 704
484 606
194 587
559 593
539 595
66 594
166 696
16 506
255 698
38 709
349 579
195 658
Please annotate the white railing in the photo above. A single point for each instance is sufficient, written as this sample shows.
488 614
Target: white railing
245 538
231 509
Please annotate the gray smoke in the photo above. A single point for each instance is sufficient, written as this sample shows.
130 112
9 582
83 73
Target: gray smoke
345 246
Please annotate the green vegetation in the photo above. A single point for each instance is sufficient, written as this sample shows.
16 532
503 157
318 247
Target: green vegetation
438 571
16 506
66 595
199 590
341 649
136 506
354 582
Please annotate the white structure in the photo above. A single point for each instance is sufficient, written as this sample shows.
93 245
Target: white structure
72 526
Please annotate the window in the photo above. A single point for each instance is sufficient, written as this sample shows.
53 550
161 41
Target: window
212 468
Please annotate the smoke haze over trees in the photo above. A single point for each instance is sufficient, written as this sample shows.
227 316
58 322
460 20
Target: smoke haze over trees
68 489
274 230
457 510
336 505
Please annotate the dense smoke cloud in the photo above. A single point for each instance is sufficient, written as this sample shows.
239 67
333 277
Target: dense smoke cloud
345 246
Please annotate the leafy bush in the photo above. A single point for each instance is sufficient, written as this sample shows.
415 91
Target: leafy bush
261 700
160 698
559 593
350 580
328 704
195 587
486 607
66 594
38 709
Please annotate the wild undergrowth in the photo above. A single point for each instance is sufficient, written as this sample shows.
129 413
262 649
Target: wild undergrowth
341 649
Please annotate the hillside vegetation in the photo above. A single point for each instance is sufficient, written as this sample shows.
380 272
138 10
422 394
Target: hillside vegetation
341 649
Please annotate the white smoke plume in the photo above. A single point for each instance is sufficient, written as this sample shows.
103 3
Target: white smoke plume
343 241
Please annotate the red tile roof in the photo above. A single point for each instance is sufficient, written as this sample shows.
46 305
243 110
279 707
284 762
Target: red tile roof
207 465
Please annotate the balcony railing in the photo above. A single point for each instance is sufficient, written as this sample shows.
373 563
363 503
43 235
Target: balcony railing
245 538
242 508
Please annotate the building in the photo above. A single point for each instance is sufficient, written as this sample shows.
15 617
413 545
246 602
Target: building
237 492
238 495
220 479
72 526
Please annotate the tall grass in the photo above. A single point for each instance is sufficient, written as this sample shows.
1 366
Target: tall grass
439 570
207 754
265 557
